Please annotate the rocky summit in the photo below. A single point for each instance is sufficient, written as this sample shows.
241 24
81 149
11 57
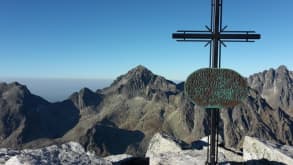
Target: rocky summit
163 149
122 118
65 154
167 150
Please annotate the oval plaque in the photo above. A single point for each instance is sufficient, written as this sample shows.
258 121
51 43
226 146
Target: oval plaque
216 88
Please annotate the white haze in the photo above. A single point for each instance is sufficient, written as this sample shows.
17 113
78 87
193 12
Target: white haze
58 89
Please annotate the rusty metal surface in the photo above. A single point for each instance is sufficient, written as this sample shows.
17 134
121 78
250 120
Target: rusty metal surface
216 88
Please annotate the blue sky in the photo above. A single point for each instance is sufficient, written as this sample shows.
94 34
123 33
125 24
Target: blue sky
105 38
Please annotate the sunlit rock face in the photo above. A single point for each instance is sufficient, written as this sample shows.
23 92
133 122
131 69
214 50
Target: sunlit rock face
254 149
167 150
266 113
276 87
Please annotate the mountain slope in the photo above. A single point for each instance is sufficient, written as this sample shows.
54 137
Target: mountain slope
25 117
256 118
141 100
139 104
276 87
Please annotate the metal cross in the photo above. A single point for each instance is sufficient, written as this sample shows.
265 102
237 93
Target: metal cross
215 36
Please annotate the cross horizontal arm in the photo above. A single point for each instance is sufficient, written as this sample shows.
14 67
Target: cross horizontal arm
240 36
192 36
232 36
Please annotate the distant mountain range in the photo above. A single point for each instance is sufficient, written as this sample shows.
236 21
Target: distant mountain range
124 116
58 89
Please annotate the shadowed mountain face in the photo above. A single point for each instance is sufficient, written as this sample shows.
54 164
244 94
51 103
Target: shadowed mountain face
52 121
123 117
26 117
109 139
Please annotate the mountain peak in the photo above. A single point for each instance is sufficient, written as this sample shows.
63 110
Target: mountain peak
282 69
85 98
139 73
139 81
275 86
140 70
14 90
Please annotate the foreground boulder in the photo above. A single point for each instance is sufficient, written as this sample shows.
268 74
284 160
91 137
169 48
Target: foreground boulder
65 154
166 150
255 149
161 143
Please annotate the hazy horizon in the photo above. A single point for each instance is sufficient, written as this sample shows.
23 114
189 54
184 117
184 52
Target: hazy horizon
58 89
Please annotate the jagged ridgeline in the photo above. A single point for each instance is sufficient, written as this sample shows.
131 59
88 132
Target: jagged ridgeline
124 116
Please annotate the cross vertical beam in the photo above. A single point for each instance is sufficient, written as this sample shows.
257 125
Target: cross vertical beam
216 32
215 63
215 36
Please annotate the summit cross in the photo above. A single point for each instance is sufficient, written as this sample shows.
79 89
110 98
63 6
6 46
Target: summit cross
215 36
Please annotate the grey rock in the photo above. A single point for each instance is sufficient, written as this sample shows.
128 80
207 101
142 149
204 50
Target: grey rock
256 118
161 143
276 87
167 150
65 154
255 149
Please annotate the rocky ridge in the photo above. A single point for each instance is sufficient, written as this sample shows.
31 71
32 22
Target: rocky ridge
137 105
275 86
